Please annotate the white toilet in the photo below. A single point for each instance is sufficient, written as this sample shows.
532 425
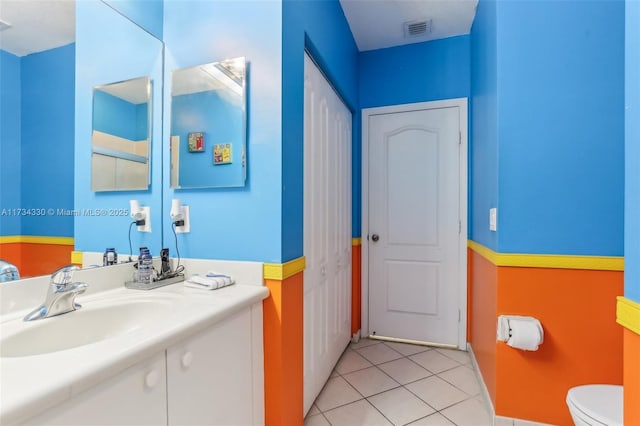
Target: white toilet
596 405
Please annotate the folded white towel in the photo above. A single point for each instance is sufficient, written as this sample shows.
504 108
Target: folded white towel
210 281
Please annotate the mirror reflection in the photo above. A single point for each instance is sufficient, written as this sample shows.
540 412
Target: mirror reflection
44 221
208 125
121 135
37 77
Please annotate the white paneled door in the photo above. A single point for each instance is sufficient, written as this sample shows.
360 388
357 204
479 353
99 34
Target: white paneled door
327 230
415 225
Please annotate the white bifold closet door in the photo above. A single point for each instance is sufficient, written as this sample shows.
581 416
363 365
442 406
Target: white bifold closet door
327 230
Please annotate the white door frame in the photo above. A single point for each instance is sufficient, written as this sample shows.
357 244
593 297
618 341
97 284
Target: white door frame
461 103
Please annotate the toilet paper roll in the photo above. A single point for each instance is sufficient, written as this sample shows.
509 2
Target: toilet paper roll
526 334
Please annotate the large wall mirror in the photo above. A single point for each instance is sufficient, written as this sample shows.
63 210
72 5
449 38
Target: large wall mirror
208 125
44 165
37 75
121 135
118 126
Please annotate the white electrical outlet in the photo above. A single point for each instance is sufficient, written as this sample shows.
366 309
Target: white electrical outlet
187 226
493 219
147 220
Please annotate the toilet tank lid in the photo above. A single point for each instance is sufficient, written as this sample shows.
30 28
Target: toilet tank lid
601 402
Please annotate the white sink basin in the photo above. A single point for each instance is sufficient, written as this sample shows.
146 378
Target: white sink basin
92 323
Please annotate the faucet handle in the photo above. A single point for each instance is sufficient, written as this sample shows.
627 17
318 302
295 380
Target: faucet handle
62 276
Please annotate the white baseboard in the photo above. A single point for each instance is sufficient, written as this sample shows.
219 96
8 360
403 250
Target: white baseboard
497 420
483 385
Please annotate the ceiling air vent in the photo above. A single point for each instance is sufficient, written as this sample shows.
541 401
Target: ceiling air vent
417 28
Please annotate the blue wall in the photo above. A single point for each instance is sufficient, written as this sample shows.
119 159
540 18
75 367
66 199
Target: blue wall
632 154
221 122
47 139
547 126
118 117
10 170
557 180
561 127
321 28
37 141
418 72
146 13
273 37
483 108
232 223
111 48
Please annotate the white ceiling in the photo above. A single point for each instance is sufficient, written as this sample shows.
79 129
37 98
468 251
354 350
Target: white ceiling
377 24
135 91
38 25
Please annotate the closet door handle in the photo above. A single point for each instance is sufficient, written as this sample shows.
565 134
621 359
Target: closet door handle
375 237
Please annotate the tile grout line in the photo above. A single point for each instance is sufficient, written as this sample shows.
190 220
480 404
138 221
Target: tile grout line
381 413
325 417
399 385
444 371
438 376
376 365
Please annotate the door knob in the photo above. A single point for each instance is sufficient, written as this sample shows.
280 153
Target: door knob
375 237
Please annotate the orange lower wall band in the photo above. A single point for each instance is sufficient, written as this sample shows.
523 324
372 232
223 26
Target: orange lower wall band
283 351
582 342
631 378
482 322
12 253
283 320
33 259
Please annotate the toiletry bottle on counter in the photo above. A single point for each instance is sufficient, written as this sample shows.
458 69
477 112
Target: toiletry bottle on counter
110 257
145 266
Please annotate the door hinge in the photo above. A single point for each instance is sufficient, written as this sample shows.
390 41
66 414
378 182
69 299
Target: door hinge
459 227
459 315
459 138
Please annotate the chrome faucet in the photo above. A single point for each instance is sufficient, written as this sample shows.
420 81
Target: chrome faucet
61 295
8 272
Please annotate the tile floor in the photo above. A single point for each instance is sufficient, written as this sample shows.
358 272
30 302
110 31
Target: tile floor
385 383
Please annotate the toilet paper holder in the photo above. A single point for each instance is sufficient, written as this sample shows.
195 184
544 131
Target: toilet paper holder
504 330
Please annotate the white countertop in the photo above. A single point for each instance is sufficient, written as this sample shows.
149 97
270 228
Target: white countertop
32 384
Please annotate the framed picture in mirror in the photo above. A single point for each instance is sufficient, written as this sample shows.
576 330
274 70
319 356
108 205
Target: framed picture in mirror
196 142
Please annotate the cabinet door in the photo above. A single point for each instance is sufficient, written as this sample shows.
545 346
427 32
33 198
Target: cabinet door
211 376
137 396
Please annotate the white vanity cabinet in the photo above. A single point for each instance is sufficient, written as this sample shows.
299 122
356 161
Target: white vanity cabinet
215 377
212 377
136 396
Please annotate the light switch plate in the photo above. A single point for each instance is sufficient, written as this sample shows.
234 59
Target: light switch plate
493 219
